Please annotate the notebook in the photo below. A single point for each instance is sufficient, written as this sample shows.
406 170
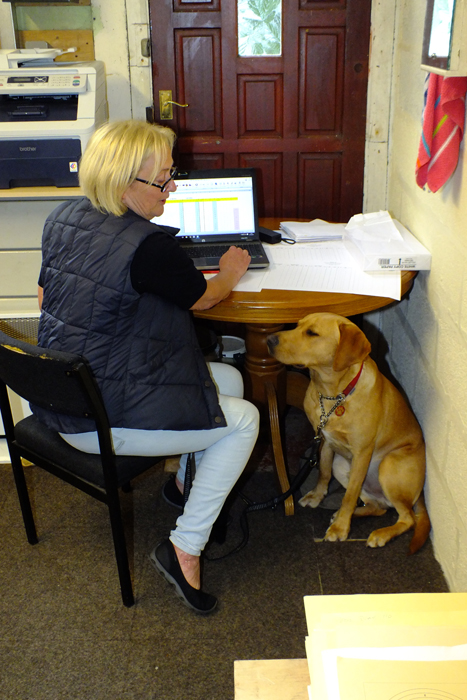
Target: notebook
214 209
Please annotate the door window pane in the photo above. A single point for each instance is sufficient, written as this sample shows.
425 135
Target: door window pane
259 27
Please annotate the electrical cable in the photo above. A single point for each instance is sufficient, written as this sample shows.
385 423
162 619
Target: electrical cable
311 461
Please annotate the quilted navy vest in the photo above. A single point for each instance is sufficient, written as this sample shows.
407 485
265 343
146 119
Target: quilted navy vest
143 349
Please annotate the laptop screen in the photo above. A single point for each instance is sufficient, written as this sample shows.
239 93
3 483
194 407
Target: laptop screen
212 205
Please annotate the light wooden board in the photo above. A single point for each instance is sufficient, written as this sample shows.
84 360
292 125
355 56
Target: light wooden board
82 39
271 679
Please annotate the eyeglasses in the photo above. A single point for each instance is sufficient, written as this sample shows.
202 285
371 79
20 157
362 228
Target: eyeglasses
173 172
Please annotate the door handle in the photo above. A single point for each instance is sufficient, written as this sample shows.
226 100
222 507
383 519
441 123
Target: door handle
165 104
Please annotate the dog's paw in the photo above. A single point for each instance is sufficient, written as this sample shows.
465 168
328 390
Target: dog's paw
311 499
378 538
336 533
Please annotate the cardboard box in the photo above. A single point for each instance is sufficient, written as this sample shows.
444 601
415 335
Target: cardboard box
378 254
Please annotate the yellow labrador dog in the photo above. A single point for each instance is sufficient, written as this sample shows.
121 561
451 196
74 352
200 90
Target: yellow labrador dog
372 442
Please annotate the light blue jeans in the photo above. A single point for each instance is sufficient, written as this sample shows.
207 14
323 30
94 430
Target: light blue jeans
221 456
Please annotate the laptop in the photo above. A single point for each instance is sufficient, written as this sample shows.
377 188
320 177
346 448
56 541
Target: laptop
214 209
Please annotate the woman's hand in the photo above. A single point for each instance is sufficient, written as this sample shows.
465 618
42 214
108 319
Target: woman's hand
236 261
232 266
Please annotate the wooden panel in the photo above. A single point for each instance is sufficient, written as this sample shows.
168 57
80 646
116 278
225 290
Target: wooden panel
199 161
260 106
197 61
269 170
83 39
321 80
321 4
195 5
319 186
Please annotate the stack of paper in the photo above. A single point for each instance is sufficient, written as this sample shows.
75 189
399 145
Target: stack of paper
387 647
316 230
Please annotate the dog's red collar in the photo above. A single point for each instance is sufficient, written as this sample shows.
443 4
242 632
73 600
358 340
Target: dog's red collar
351 386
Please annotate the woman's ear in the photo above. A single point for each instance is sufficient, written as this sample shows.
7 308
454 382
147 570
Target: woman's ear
353 347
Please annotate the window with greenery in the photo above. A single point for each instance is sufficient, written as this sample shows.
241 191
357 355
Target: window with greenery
259 27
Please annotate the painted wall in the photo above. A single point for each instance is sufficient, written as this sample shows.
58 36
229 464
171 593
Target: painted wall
427 333
119 27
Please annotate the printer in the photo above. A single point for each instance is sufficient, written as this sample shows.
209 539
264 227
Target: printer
48 112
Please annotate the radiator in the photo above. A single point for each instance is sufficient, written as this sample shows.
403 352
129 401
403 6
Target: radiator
21 328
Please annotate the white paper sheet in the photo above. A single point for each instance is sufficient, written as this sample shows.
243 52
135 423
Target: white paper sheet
325 267
378 226
318 267
333 279
422 653
381 679
252 280
328 254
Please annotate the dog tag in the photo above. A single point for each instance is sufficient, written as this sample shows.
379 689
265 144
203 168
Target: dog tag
340 410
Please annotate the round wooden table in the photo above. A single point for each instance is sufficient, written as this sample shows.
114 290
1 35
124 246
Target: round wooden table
268 384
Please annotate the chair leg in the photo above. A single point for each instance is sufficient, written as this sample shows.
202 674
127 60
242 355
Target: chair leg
121 552
24 501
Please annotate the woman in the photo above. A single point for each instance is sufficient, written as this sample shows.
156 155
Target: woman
117 289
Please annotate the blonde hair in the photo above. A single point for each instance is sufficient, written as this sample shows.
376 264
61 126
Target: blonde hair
113 157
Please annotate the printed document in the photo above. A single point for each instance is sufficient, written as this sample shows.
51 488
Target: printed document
319 267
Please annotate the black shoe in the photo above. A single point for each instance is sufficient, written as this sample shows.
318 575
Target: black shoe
172 495
165 560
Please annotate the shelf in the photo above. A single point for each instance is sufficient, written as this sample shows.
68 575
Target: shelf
37 193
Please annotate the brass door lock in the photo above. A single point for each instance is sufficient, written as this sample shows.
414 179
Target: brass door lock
165 104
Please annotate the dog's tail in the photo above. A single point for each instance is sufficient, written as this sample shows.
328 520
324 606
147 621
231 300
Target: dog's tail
422 526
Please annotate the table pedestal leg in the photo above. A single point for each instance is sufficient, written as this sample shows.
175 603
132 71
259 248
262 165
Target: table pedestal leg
261 367
266 387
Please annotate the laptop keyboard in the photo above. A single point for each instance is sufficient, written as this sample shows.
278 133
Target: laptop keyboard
217 251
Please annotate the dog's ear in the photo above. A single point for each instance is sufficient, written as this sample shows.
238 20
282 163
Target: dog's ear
353 347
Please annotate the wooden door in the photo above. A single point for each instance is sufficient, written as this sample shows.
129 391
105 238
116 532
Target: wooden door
298 118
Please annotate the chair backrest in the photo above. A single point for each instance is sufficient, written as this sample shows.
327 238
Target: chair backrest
54 380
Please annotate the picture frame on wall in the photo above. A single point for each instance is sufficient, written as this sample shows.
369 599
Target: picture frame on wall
444 48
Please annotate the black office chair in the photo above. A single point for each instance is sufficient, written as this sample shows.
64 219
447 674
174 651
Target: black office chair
64 382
